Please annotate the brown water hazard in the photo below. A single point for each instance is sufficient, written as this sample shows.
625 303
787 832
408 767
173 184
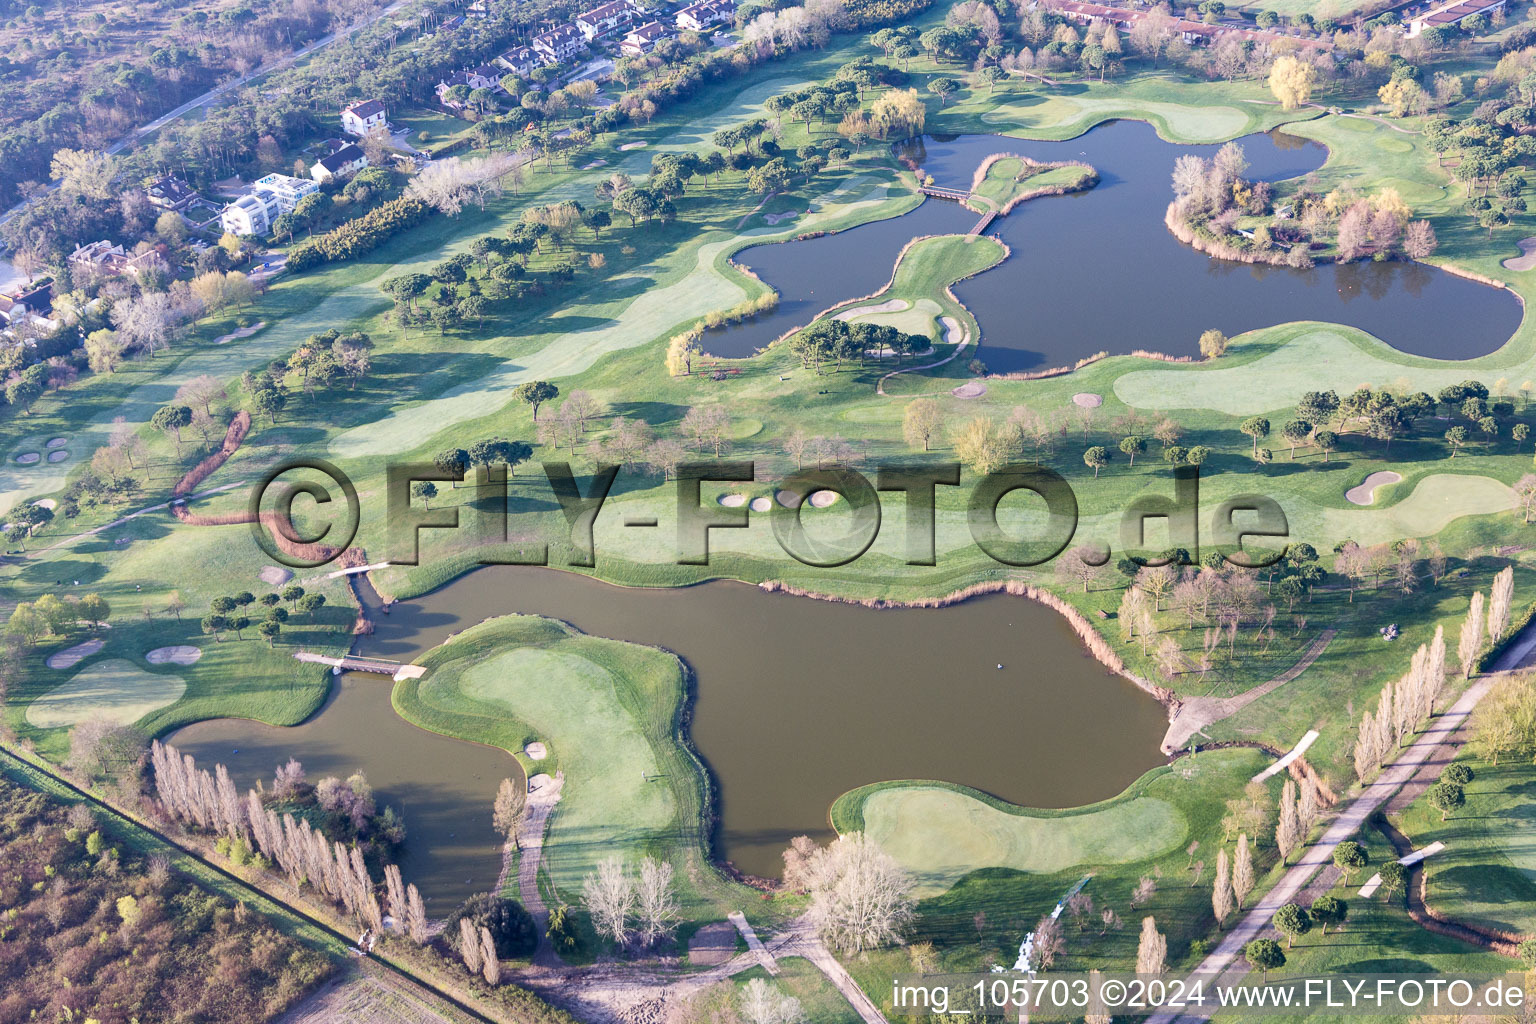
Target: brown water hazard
797 701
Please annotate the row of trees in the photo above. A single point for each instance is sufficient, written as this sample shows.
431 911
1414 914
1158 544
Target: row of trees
210 802
51 615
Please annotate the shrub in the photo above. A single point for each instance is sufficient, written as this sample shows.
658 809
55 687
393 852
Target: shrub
511 926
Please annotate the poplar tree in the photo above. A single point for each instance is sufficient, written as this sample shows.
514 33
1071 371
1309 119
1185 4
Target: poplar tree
1221 895
1242 871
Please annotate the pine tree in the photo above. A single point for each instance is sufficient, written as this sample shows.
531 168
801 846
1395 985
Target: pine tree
1152 949
1221 894
1287 830
1242 871
1499 603
1471 636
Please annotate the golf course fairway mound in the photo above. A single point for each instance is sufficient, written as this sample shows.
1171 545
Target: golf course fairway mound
116 688
606 711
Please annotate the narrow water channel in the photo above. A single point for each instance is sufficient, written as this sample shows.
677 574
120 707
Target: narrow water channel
1098 271
798 701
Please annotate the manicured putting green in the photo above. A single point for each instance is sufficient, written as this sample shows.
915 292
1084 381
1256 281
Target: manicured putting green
116 688
1195 124
918 318
941 834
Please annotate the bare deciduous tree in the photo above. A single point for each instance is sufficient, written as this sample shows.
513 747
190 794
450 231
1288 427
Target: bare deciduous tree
655 901
860 897
609 896
507 811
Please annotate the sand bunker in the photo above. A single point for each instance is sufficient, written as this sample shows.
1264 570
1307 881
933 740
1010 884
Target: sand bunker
970 389
27 458
888 306
58 455
274 575
116 689
47 503
69 657
953 332
536 751
732 500
823 499
538 782
181 654
1527 258
761 505
1365 493
1088 400
594 164
633 145
58 442
243 332
778 218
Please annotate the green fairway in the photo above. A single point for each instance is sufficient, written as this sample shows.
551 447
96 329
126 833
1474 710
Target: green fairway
114 689
609 713
942 834
1486 875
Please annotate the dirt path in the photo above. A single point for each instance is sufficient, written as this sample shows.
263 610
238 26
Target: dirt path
641 992
530 837
133 515
948 333
1196 713
1374 795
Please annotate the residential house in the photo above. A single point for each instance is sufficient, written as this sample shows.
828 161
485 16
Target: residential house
361 118
169 192
270 197
1451 12
29 300
520 60
347 160
107 259
601 22
1192 32
705 14
486 76
559 44
643 39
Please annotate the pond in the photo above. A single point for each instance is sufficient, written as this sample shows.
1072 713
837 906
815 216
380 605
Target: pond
1099 271
797 702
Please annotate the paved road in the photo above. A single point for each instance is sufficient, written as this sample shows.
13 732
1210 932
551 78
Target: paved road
1354 815
219 91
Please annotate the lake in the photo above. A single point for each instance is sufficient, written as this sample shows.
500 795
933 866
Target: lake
798 701
1099 271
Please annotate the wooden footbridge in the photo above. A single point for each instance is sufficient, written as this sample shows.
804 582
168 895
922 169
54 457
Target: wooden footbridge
956 195
353 663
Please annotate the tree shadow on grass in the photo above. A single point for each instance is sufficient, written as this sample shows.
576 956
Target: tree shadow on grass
61 573
654 413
